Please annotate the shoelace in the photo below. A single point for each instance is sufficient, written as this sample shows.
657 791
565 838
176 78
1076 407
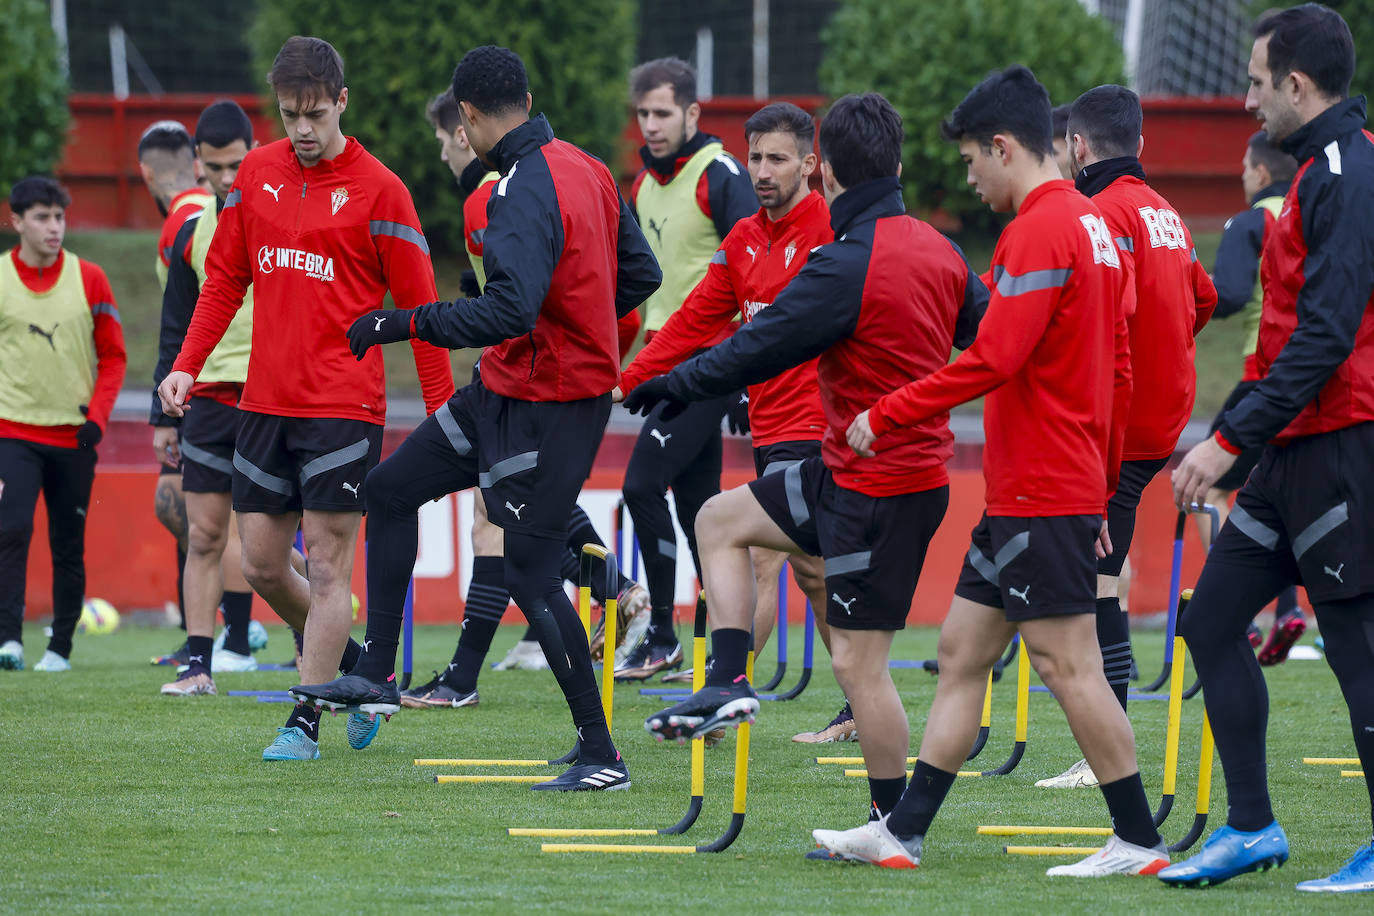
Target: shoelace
844 715
1357 861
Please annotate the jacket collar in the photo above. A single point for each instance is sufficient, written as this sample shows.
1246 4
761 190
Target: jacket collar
1277 189
865 202
1092 179
350 153
804 209
1340 119
665 169
471 177
519 142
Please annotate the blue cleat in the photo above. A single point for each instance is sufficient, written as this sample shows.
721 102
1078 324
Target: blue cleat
292 744
1229 852
362 729
1357 874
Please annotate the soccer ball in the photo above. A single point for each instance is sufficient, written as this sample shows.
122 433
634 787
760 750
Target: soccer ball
257 636
98 616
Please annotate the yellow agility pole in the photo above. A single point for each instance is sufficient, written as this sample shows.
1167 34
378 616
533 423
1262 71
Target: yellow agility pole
850 761
478 762
1352 774
1333 761
1051 850
1204 789
698 778
1040 830
489 777
610 613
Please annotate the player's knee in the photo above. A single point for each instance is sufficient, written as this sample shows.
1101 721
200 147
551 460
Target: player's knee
810 577
641 489
384 490
169 505
266 575
206 540
487 539
713 519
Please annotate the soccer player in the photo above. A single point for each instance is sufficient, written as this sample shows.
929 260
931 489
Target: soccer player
61 364
1051 358
321 230
1302 516
1173 299
167 162
689 195
214 574
487 596
1266 172
881 305
563 257
758 258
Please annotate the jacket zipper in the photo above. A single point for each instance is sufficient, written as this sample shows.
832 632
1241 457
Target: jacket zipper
300 210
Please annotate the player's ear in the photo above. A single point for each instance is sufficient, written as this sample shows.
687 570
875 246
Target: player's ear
343 99
1140 146
529 102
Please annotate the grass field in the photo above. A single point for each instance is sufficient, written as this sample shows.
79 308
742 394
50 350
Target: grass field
120 800
127 258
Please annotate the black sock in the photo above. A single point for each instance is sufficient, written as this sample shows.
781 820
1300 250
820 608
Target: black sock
199 648
299 639
914 811
181 590
238 612
886 792
530 635
1130 812
661 635
307 719
352 653
1114 638
487 600
1288 602
730 649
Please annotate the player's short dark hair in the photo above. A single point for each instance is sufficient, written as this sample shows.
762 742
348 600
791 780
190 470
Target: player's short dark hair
443 112
1263 151
36 191
1059 121
1009 101
665 71
492 80
861 138
168 136
1109 118
307 67
222 122
783 118
1311 39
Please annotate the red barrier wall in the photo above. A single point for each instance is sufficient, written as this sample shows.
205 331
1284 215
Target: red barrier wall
130 558
1192 150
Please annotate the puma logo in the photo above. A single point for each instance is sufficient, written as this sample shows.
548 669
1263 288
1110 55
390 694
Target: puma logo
307 724
46 335
661 437
197 658
579 733
658 228
1335 573
752 253
273 191
514 509
451 665
1024 594
379 323
842 603
367 645
744 397
352 488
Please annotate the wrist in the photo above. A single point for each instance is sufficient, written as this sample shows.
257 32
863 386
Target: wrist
1226 444
878 420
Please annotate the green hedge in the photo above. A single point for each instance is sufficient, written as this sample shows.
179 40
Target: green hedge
399 55
33 93
925 55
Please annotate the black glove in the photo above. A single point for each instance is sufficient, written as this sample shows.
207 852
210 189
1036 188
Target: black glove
652 393
468 286
737 415
89 435
382 326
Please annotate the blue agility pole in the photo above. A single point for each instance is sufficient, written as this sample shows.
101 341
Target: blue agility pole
808 654
780 635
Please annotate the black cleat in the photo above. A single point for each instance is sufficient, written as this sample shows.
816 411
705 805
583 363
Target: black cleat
182 656
708 708
351 693
589 777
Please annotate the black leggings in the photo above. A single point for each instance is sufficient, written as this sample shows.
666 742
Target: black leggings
65 476
683 454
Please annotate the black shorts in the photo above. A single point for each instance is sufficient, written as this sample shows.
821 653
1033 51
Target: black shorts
782 455
287 464
530 458
1135 477
1308 510
874 546
1234 478
1032 567
207 447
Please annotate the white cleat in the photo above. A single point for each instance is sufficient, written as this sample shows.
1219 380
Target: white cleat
1078 776
51 661
12 656
1116 858
525 655
225 661
872 843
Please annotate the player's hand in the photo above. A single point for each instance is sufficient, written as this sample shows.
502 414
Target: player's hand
1202 467
89 435
174 392
860 436
650 394
381 326
737 416
166 446
1103 545
617 395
